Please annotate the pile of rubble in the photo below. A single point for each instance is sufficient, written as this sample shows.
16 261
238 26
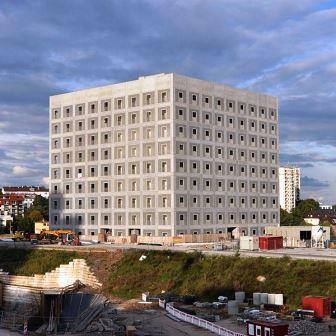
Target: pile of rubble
306 328
100 316
106 324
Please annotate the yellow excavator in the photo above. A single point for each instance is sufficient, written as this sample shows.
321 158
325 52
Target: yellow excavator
62 236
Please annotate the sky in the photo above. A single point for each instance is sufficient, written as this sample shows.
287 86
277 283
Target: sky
284 48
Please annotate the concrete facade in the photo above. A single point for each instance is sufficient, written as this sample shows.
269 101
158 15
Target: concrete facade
289 187
163 155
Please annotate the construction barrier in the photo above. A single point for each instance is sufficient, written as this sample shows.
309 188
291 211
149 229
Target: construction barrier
216 329
118 239
201 238
165 241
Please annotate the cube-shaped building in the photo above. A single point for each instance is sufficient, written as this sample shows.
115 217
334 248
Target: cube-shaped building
163 155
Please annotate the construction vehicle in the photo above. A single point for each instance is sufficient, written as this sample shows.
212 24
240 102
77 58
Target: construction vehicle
17 236
21 235
62 236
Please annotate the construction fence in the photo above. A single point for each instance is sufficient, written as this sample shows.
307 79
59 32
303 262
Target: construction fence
167 241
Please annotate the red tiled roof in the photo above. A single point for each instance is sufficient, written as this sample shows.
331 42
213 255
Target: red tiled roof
11 199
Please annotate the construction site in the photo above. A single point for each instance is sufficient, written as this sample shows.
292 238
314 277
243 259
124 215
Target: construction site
145 292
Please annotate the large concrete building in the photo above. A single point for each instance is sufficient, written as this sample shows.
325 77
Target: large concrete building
289 187
163 155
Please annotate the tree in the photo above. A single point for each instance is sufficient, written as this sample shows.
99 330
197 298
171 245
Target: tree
35 215
305 206
325 222
42 205
25 224
296 217
284 217
37 212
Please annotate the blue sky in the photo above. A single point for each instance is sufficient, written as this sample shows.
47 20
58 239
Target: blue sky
285 48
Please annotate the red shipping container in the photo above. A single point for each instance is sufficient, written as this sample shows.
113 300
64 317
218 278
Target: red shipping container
270 242
320 304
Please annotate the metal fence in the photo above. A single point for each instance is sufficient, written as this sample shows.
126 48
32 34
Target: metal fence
199 322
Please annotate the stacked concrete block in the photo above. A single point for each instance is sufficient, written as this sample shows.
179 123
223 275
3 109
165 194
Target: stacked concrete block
62 276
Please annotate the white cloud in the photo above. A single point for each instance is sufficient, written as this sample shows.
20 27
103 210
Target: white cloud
21 171
45 180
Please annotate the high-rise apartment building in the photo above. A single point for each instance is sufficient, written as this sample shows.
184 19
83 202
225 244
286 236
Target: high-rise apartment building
163 155
289 187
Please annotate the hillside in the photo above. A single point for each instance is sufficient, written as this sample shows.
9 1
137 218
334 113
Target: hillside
208 277
29 262
124 276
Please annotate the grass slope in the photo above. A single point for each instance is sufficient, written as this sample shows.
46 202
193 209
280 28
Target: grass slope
124 276
207 277
30 262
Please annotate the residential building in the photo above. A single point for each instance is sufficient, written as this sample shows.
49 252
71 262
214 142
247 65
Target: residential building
29 193
289 187
10 207
163 155
321 217
26 190
325 207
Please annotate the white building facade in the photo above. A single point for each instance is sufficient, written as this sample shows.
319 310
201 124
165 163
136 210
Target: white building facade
163 155
289 187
